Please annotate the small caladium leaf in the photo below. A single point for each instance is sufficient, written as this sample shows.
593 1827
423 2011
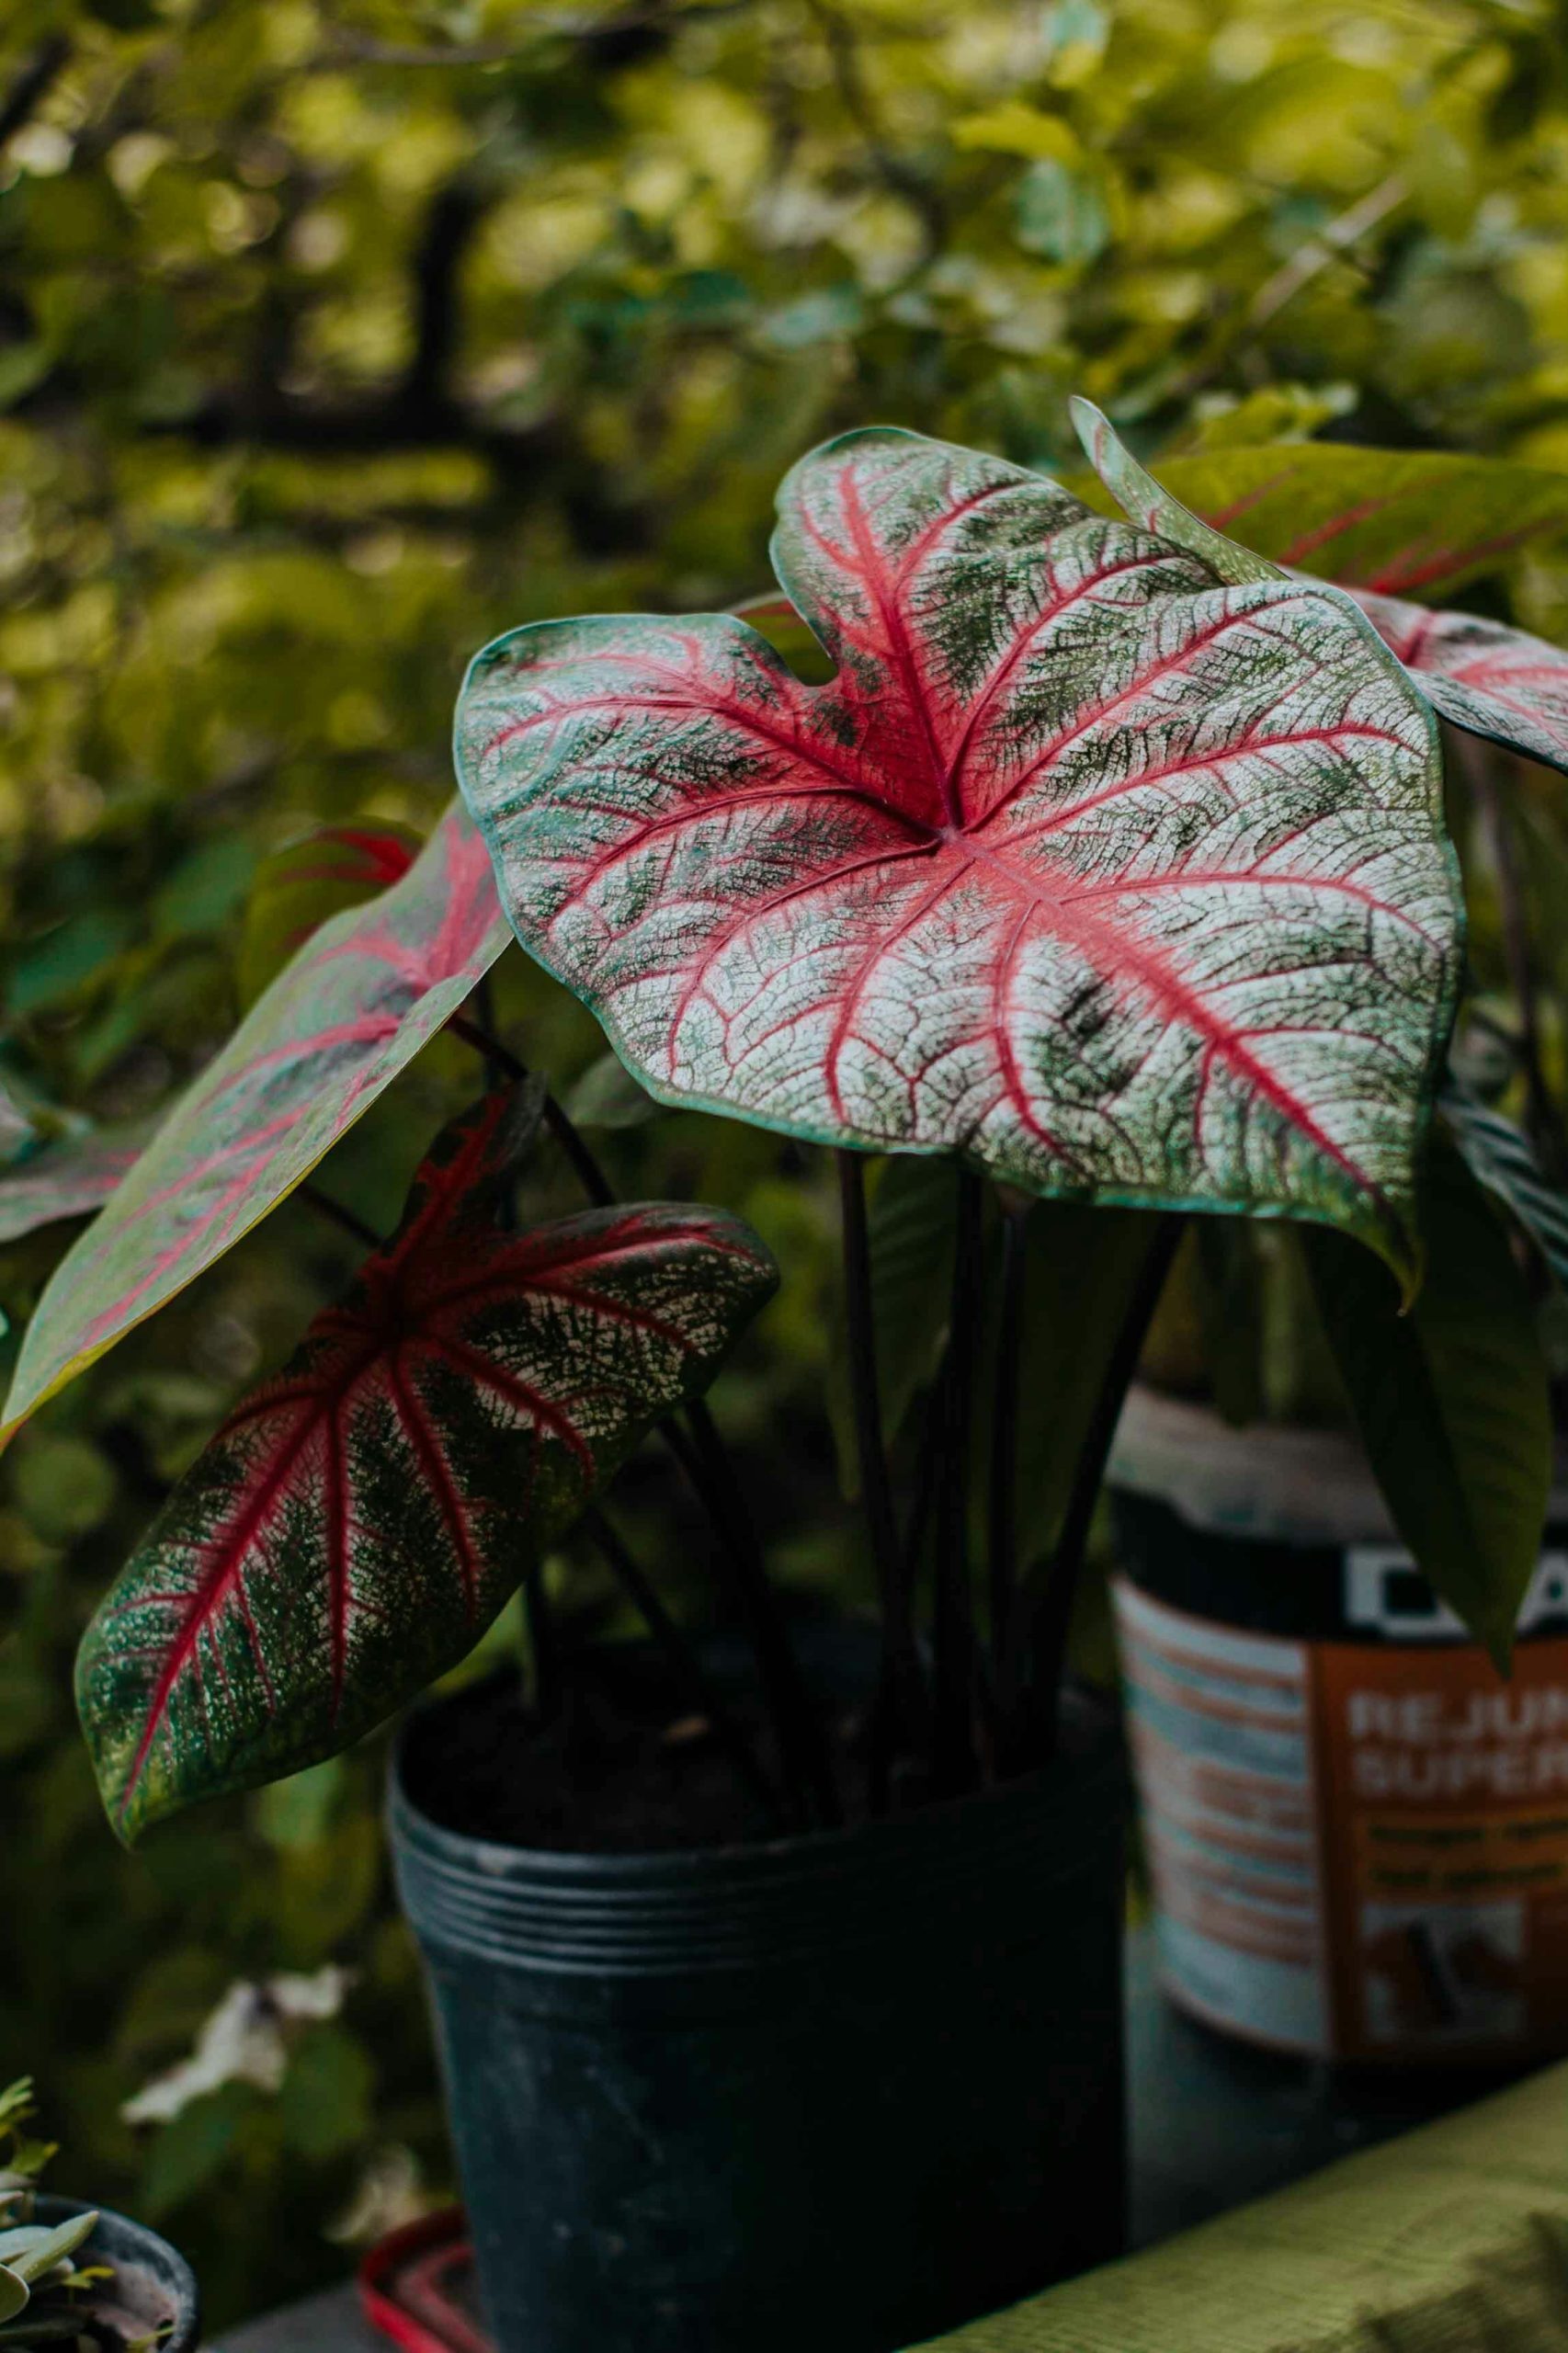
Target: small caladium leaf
1398 522
1502 1157
359 1519
1127 884
1486 677
355 1006
295 891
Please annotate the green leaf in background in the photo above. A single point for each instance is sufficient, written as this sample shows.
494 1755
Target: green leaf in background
1450 1398
1396 522
1502 1157
298 888
324 2108
1062 213
607 1096
15 2294
1082 1268
910 1223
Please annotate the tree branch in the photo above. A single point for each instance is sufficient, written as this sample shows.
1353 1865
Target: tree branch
33 84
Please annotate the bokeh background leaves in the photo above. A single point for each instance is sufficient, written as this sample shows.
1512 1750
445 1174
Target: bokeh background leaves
335 340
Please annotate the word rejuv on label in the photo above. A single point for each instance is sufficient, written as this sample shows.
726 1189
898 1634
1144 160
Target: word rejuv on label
1359 1849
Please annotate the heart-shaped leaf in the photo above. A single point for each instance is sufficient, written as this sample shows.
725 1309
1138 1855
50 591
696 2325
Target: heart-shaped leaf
1484 677
1126 884
299 887
360 1518
1398 521
353 1007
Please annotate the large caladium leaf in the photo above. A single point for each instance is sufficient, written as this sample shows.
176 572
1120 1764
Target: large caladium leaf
360 1518
1123 882
1484 677
355 1006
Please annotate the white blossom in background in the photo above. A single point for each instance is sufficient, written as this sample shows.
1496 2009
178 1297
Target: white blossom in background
244 2041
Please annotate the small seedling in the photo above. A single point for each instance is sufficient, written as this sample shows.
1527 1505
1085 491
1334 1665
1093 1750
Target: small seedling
45 2295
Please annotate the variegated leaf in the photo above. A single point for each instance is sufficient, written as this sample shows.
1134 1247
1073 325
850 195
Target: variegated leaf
1126 884
71 1176
1397 522
355 1006
360 1518
1484 677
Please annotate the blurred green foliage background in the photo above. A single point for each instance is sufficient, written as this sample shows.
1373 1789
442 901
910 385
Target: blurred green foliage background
334 338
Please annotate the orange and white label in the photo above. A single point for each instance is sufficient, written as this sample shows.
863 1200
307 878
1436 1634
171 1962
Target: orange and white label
1358 1850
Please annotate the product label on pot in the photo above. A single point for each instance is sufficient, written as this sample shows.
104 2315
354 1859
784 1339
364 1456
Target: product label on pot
1360 1849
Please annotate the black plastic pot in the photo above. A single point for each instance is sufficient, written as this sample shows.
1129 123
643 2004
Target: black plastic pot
154 2286
838 2092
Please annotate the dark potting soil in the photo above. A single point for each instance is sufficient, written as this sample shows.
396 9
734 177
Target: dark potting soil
626 1764
623 1766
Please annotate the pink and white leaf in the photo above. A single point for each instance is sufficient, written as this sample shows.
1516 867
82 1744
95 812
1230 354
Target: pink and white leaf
1124 880
360 999
360 1518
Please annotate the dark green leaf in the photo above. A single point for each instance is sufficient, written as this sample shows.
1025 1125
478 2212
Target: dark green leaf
1503 1157
1450 1397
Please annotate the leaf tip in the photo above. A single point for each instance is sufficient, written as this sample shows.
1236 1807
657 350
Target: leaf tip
1089 424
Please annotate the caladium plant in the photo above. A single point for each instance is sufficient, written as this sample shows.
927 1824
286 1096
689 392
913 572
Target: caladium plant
1105 869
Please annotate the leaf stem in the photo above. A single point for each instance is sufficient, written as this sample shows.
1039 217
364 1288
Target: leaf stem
684 1661
347 1219
900 1697
499 1056
802 1747
1003 1500
955 1763
544 1651
1052 1615
704 1458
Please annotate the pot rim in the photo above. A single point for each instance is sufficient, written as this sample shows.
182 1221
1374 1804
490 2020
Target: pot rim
172 2269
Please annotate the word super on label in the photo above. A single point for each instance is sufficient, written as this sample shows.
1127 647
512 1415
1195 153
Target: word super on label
1359 1847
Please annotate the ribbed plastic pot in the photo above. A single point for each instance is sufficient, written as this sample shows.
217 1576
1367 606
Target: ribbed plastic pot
833 2094
154 2286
